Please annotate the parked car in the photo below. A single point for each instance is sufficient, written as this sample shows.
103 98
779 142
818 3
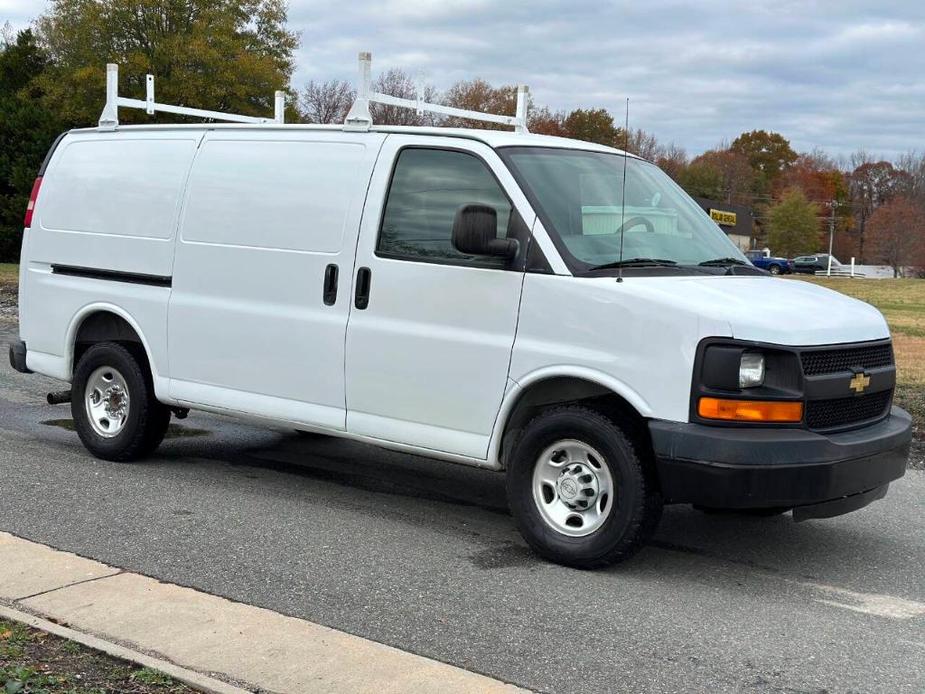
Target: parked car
810 264
765 261
484 297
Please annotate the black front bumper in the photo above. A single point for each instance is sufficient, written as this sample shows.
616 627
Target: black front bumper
819 475
18 357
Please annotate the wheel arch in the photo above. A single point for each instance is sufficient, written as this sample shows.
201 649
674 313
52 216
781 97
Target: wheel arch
101 322
551 386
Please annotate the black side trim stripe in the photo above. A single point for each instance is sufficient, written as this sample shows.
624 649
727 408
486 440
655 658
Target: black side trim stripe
112 275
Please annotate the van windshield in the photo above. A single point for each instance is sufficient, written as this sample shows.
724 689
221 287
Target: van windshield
579 196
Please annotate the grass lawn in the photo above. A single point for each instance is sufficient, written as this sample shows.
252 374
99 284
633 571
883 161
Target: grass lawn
33 662
902 303
9 273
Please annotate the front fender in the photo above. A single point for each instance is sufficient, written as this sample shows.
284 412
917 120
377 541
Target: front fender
516 389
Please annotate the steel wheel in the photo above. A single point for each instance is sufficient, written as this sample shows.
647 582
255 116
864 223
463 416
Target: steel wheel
572 488
107 402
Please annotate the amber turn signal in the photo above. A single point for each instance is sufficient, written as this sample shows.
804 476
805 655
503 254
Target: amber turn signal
750 410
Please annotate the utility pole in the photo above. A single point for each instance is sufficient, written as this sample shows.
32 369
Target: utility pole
833 205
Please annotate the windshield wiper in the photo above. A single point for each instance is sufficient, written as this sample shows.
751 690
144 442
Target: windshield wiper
722 262
635 262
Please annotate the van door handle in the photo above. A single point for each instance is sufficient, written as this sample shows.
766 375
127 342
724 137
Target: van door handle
330 285
364 277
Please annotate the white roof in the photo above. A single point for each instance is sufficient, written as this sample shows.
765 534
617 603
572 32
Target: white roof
493 138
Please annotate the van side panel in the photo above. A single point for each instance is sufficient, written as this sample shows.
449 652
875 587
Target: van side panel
266 214
112 202
103 227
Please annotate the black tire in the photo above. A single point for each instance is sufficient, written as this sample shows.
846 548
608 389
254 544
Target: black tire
774 269
146 420
634 513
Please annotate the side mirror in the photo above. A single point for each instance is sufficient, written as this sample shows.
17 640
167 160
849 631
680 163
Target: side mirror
475 232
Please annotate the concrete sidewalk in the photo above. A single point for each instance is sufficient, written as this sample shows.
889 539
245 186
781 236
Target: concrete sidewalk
241 644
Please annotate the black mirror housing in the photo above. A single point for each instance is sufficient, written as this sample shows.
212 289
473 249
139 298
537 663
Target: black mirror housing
475 232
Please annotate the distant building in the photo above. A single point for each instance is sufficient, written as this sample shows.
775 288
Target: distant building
735 220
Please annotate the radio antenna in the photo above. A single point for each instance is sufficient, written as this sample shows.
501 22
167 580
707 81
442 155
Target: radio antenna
626 136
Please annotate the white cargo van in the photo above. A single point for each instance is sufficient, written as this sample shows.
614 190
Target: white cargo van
549 308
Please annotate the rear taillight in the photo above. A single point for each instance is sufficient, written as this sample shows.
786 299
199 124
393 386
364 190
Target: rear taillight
27 222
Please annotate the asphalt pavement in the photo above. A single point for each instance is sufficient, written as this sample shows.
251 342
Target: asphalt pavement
422 555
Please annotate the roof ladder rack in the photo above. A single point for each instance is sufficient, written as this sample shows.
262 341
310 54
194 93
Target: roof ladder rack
359 117
109 118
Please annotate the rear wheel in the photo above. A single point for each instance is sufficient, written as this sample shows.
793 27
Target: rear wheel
580 490
115 412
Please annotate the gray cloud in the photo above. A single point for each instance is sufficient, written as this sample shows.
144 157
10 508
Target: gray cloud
840 75
837 75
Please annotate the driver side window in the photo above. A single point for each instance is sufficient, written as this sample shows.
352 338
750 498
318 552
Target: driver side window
428 187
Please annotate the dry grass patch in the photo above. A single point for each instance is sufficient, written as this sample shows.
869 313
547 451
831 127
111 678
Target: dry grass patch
9 274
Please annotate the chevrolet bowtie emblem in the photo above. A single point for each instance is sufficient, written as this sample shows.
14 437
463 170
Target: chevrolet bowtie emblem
859 382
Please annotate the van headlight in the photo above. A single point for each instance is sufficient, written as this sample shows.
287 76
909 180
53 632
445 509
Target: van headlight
751 370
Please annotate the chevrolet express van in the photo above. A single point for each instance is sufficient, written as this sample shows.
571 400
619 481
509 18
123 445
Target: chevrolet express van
552 309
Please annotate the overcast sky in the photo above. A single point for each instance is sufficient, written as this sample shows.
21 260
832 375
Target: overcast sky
838 75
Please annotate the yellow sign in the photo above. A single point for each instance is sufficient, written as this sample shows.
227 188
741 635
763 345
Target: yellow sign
722 217
859 383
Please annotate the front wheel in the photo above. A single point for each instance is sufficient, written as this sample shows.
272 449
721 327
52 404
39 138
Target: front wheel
774 269
112 401
580 490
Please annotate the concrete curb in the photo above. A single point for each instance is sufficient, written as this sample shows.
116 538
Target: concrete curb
191 677
206 640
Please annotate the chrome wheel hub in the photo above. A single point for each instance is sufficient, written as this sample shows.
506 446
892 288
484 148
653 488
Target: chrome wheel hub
578 487
572 488
107 402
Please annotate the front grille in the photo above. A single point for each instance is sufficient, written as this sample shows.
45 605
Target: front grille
827 361
828 414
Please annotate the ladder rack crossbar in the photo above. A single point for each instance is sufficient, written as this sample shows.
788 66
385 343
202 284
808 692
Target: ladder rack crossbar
359 117
196 112
443 110
109 119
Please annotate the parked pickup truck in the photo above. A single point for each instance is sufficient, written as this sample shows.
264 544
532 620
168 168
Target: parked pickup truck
765 261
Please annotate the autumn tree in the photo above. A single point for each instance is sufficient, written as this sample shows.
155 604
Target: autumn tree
224 55
638 142
702 180
821 181
592 125
542 121
897 234
793 227
672 159
736 174
326 102
871 185
479 95
769 154
912 164
397 82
